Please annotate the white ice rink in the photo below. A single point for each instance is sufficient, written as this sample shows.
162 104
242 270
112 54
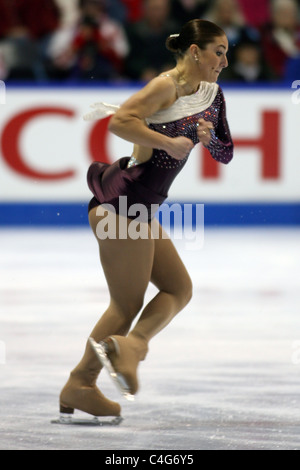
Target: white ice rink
224 375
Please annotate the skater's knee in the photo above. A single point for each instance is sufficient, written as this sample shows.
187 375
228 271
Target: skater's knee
186 291
128 308
183 292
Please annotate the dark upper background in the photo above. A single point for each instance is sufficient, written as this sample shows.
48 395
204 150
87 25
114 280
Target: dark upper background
120 41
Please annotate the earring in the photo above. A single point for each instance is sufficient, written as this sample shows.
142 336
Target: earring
196 58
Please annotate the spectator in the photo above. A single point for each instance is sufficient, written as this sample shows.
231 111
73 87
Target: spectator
248 65
147 39
33 18
25 29
95 58
281 37
134 10
95 49
255 12
116 10
186 10
228 15
69 13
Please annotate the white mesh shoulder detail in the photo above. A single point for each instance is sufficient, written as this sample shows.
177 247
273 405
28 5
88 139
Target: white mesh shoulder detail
184 106
101 111
187 105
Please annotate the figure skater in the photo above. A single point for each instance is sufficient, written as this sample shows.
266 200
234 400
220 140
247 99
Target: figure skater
164 120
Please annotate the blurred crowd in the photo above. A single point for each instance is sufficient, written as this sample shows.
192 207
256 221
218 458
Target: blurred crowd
124 40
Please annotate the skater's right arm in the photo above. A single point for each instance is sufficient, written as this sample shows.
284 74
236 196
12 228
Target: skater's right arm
129 121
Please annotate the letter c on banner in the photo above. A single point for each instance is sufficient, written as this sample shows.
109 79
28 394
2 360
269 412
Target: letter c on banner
10 143
98 141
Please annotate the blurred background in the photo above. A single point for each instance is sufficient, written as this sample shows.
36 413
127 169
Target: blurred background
59 56
123 40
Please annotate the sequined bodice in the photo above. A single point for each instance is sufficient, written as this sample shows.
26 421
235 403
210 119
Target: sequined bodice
220 146
186 127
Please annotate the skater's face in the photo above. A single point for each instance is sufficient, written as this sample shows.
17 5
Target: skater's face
211 60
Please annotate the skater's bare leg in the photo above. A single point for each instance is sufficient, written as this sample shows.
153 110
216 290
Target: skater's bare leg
169 275
127 265
171 278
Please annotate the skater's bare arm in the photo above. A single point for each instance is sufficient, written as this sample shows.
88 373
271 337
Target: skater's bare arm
129 121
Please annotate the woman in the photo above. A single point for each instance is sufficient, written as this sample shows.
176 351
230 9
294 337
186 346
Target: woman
164 120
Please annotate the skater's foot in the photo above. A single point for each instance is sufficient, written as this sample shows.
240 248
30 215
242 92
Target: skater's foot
125 353
86 398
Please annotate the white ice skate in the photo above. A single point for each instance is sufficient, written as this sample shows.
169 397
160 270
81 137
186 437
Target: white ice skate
101 350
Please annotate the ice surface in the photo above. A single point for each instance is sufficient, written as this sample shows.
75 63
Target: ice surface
225 374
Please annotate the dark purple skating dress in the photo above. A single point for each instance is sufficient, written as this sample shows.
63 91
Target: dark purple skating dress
148 183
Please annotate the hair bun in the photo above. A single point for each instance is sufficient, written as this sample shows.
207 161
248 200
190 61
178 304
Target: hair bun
172 43
199 32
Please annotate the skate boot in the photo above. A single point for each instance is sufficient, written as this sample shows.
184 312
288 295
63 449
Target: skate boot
121 356
81 393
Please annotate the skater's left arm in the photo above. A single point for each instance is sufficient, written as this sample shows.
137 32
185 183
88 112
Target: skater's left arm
219 143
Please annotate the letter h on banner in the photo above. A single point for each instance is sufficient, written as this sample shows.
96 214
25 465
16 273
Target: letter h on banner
268 143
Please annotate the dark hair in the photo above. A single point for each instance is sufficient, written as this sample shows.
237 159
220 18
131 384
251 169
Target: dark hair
199 32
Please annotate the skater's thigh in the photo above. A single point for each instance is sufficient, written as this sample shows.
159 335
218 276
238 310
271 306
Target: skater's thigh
126 261
168 272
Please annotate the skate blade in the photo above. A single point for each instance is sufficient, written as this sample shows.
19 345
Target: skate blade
69 420
118 379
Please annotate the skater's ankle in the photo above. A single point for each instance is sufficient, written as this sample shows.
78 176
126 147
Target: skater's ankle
84 377
140 343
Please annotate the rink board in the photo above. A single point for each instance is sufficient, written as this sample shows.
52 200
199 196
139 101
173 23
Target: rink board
46 149
72 214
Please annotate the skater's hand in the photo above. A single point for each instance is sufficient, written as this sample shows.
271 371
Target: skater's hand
179 147
203 131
